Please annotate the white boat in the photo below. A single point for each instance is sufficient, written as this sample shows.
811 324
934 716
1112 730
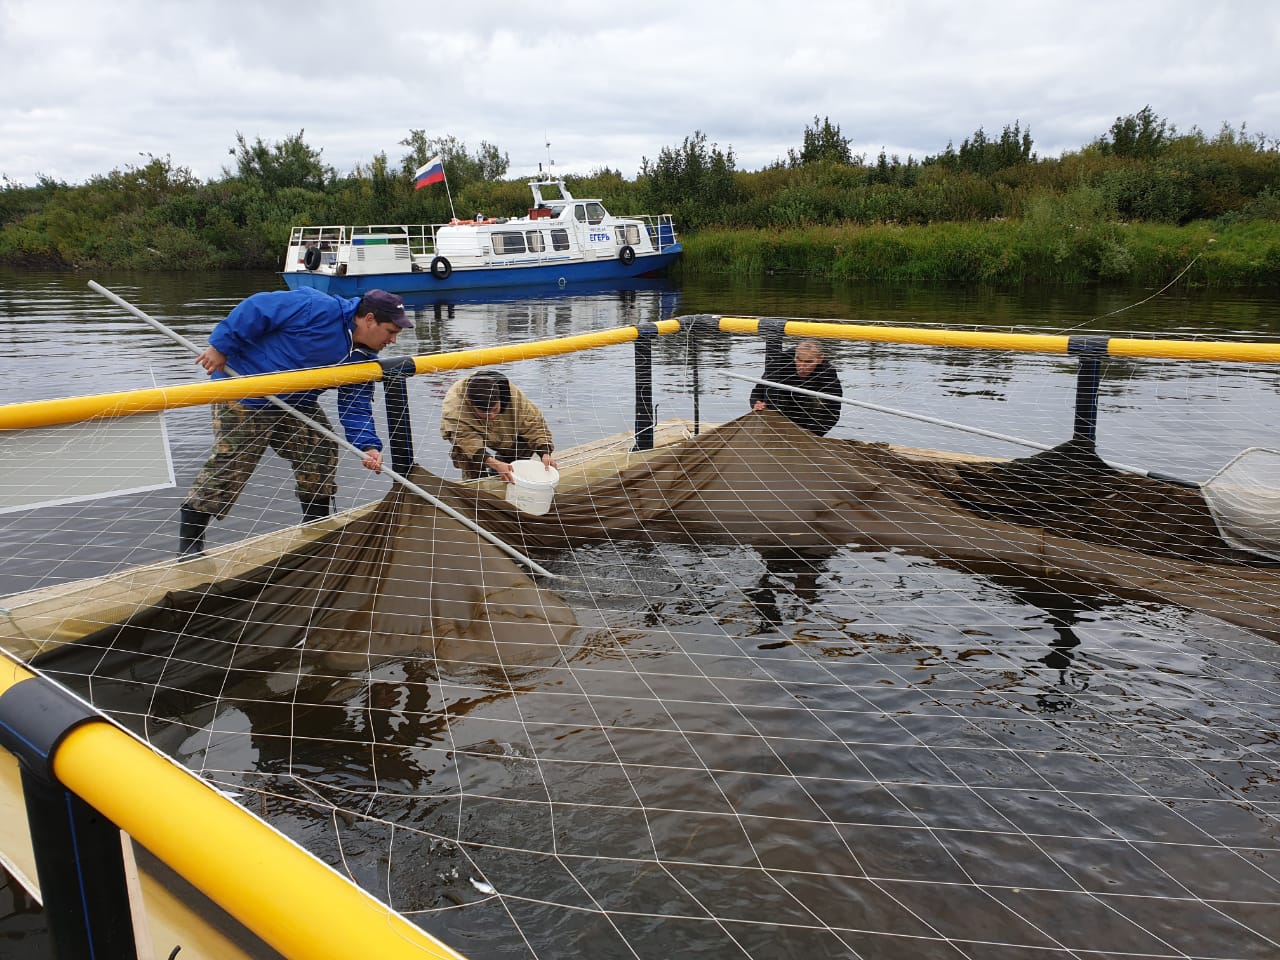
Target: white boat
561 240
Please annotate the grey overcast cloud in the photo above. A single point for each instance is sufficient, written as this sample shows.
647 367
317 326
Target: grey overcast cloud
91 87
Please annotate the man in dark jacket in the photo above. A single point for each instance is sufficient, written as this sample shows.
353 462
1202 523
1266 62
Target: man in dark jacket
807 368
278 331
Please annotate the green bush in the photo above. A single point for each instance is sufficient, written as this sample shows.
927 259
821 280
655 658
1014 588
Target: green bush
1133 205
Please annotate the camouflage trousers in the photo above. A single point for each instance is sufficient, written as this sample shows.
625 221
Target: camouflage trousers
242 435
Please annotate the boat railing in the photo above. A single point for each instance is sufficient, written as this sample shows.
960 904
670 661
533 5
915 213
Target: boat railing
662 230
334 241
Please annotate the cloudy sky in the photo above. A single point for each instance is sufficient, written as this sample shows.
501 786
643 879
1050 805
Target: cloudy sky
91 86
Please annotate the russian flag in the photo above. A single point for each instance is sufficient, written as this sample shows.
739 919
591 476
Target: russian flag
430 172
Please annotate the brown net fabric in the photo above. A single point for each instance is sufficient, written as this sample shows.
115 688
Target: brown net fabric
404 579
408 579
1072 492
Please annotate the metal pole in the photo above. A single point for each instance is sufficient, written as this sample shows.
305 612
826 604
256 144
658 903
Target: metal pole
951 423
849 401
644 386
774 329
1091 350
395 393
341 441
697 391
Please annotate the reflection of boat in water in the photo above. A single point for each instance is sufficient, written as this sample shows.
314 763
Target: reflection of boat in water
623 291
549 309
562 240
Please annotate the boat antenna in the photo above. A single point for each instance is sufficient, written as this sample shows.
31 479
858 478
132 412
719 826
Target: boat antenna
550 163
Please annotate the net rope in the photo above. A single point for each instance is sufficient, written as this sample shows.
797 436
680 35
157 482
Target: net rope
691 744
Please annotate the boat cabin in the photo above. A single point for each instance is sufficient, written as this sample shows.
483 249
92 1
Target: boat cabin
560 232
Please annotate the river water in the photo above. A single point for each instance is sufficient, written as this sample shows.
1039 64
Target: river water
839 754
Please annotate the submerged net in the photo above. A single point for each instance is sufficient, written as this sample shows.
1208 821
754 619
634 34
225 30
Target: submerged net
786 697
1244 497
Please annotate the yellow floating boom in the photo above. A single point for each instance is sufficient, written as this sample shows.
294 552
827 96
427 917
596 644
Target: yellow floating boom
294 902
44 413
1024 342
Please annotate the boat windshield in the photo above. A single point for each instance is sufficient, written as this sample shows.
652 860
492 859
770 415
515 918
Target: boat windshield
591 211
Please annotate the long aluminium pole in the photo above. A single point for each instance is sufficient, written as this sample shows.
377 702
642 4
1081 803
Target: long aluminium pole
341 441
849 401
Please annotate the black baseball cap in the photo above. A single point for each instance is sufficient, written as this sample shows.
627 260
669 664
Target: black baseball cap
387 307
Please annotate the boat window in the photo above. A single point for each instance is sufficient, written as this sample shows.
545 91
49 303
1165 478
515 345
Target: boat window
628 233
595 212
508 243
537 243
559 239
580 213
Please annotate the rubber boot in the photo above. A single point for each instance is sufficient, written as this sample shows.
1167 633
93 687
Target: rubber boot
316 508
192 524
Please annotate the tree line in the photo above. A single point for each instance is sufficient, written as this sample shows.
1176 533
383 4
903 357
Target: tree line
157 215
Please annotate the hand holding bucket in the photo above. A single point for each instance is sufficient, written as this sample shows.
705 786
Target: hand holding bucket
532 486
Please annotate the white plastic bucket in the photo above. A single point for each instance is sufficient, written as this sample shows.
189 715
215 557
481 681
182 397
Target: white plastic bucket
534 486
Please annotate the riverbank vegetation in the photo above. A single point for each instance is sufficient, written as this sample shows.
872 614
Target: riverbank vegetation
1141 203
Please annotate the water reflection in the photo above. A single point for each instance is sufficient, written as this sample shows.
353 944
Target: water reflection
849 741
1063 614
786 590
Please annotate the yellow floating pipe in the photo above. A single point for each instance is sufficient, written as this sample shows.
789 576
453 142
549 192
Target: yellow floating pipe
1030 342
1195 350
43 413
48 413
294 902
485 356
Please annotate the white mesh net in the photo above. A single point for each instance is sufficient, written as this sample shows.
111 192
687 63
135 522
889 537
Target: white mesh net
876 748
1244 497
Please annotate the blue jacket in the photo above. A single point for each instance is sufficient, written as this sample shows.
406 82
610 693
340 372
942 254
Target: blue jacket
292 330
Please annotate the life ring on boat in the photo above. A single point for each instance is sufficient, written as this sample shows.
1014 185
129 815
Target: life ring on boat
441 268
311 259
627 255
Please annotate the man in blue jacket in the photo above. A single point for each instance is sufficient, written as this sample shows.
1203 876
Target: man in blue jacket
289 330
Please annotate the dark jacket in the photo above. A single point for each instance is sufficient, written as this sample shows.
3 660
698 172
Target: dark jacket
816 416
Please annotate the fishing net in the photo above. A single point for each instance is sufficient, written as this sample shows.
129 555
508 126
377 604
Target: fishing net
1244 497
784 696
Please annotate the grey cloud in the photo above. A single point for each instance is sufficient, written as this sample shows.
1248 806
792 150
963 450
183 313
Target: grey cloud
90 86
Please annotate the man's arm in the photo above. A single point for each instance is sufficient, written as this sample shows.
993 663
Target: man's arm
246 325
355 412
777 368
830 414
458 431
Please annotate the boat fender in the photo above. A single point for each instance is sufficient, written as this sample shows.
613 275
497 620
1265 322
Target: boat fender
311 259
441 268
627 255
